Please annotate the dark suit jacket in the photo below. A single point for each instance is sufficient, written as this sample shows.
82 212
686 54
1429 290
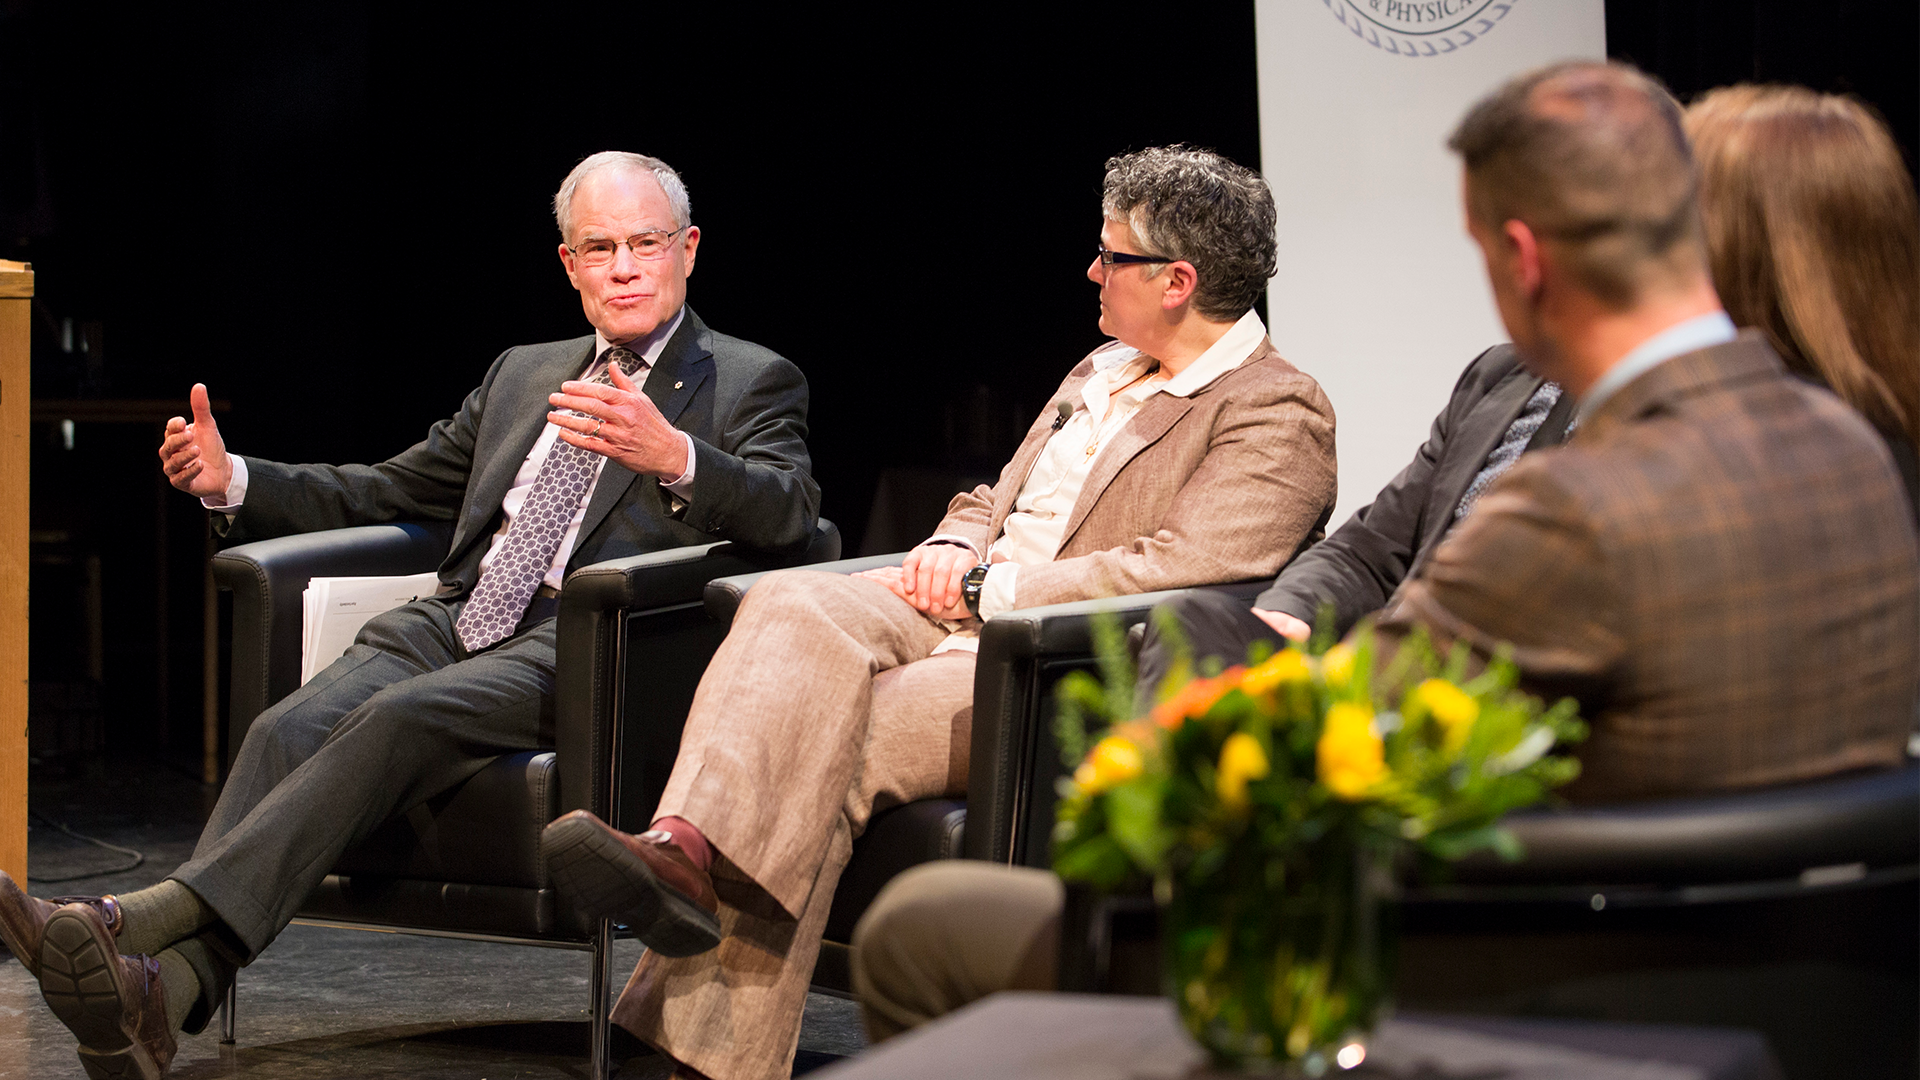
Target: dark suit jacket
1358 567
1720 565
744 406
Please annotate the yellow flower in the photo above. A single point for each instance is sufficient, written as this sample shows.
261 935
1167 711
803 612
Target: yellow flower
1453 707
1285 666
1114 760
1241 760
1337 665
1350 756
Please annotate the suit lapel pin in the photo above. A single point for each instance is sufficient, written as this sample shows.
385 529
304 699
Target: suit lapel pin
678 385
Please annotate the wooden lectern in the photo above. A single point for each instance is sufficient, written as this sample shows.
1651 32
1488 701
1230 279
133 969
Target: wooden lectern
16 303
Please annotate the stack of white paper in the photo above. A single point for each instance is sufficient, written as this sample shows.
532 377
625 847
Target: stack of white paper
335 608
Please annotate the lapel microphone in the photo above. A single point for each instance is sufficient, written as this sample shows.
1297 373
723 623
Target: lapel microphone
1065 410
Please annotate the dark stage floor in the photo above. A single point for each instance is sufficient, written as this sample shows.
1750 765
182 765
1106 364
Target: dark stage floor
326 1002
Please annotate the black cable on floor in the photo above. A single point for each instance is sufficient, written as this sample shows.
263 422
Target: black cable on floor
138 858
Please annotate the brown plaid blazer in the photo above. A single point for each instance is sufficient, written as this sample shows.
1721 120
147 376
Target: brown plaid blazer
1224 485
1720 565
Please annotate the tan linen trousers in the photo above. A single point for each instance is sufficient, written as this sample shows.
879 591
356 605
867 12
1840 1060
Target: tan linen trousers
821 706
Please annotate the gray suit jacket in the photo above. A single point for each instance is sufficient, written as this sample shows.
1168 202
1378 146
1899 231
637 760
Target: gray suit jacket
1358 567
744 406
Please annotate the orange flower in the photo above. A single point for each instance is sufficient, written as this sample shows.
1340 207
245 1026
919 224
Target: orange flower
1194 699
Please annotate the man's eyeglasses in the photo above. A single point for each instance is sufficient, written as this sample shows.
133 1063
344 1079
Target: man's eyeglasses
1109 259
645 246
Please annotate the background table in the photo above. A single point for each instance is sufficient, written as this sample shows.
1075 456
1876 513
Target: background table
1015 1036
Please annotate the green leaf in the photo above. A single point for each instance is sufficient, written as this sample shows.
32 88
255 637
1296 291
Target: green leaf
1133 814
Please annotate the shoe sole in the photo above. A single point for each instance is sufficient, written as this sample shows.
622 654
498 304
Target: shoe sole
129 1064
28 953
81 983
602 880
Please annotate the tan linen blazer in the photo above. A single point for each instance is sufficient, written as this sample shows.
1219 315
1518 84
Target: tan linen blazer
1224 485
1720 565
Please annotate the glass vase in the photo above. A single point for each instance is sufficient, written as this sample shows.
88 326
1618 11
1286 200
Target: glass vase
1281 962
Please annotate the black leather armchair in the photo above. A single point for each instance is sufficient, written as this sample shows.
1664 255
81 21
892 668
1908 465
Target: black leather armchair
1007 815
467 863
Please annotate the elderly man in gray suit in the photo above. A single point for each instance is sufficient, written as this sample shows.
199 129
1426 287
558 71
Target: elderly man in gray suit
653 432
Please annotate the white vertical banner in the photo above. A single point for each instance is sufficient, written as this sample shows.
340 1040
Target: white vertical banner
1380 295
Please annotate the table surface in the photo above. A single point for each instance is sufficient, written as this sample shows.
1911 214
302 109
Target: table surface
1013 1036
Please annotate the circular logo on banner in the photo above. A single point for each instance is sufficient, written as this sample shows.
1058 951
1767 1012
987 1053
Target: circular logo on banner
1414 28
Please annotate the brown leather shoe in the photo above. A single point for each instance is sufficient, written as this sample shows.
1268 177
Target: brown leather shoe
642 881
22 918
115 1005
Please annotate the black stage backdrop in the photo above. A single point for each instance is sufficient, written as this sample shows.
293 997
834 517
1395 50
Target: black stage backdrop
336 215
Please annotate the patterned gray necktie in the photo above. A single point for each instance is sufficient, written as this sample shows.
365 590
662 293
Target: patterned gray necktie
1512 445
500 597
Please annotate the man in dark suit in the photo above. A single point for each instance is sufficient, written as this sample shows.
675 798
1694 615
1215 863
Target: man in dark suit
1498 411
654 432
1720 565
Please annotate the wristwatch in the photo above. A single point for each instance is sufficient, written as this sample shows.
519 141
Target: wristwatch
970 587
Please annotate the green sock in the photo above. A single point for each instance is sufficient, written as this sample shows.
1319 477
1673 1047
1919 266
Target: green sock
159 915
183 986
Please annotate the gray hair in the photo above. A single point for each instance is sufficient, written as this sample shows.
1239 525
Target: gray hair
669 181
1194 205
1591 155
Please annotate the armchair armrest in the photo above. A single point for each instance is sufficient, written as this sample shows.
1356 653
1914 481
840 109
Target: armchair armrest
724 594
267 578
1014 758
1857 828
632 642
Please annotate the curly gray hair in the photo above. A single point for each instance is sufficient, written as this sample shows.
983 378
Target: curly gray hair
1194 205
670 183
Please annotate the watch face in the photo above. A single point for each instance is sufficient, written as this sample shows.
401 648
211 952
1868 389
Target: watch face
976 577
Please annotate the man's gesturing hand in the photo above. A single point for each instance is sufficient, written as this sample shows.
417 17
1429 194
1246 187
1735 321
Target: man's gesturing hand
193 456
619 422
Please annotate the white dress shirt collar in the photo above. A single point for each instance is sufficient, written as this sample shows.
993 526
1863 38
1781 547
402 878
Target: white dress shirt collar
1232 350
649 347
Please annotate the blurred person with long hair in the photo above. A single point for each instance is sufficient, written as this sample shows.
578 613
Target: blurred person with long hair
1813 237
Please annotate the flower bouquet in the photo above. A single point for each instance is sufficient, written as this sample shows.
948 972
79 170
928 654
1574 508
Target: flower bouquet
1269 805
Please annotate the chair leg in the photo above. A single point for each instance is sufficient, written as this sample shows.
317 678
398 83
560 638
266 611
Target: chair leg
598 1005
226 1011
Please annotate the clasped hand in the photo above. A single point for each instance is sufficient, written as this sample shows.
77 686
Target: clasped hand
930 578
620 422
